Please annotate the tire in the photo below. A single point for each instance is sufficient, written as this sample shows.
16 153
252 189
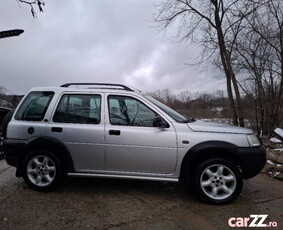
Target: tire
6 121
42 171
217 181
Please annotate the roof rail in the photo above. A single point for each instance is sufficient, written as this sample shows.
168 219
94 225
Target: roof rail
99 84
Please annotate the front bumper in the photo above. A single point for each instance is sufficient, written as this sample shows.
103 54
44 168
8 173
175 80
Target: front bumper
252 160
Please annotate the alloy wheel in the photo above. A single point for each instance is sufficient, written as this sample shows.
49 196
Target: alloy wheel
41 170
218 181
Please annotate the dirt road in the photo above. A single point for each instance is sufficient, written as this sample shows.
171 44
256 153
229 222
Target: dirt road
124 204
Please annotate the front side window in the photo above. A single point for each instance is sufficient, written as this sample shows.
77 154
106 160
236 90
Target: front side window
34 106
83 109
129 112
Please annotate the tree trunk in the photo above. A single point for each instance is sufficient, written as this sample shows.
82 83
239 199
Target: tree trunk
230 76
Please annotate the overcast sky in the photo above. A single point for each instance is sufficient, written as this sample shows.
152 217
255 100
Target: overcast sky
95 41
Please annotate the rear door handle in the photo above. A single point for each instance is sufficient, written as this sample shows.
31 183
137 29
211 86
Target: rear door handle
56 129
114 132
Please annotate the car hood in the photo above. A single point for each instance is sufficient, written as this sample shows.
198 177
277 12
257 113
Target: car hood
206 126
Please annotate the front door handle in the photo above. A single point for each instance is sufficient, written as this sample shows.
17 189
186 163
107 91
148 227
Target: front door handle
114 132
56 129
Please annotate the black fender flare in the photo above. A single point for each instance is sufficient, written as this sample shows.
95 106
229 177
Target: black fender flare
50 144
206 150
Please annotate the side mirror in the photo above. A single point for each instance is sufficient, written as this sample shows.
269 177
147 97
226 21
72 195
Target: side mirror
160 122
189 119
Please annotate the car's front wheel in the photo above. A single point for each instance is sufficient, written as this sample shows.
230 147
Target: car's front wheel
218 181
42 170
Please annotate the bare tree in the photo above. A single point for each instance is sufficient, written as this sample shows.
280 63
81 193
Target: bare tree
38 3
184 97
199 105
258 55
216 24
271 31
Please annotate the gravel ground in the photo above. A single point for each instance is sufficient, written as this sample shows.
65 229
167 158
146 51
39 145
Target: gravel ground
124 204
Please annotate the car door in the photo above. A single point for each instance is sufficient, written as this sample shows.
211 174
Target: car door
133 144
77 122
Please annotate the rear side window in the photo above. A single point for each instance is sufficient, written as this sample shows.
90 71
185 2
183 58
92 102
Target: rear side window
34 106
83 109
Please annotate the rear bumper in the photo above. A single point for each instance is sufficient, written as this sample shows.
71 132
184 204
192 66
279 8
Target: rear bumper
13 150
252 160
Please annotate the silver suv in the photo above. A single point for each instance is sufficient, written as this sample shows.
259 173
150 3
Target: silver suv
114 131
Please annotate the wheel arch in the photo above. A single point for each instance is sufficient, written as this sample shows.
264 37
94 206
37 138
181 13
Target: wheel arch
204 151
53 145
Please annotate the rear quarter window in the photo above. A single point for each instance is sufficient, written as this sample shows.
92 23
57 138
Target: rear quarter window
34 106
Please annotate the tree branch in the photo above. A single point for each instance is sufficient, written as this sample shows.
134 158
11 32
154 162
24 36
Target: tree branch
39 3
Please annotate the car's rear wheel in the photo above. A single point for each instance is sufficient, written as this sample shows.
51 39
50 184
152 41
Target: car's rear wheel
42 170
218 181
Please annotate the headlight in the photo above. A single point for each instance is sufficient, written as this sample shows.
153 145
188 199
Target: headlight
253 140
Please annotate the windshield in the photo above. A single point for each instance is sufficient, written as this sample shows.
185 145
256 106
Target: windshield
172 113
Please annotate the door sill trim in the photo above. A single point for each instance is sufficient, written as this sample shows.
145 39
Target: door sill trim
111 176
